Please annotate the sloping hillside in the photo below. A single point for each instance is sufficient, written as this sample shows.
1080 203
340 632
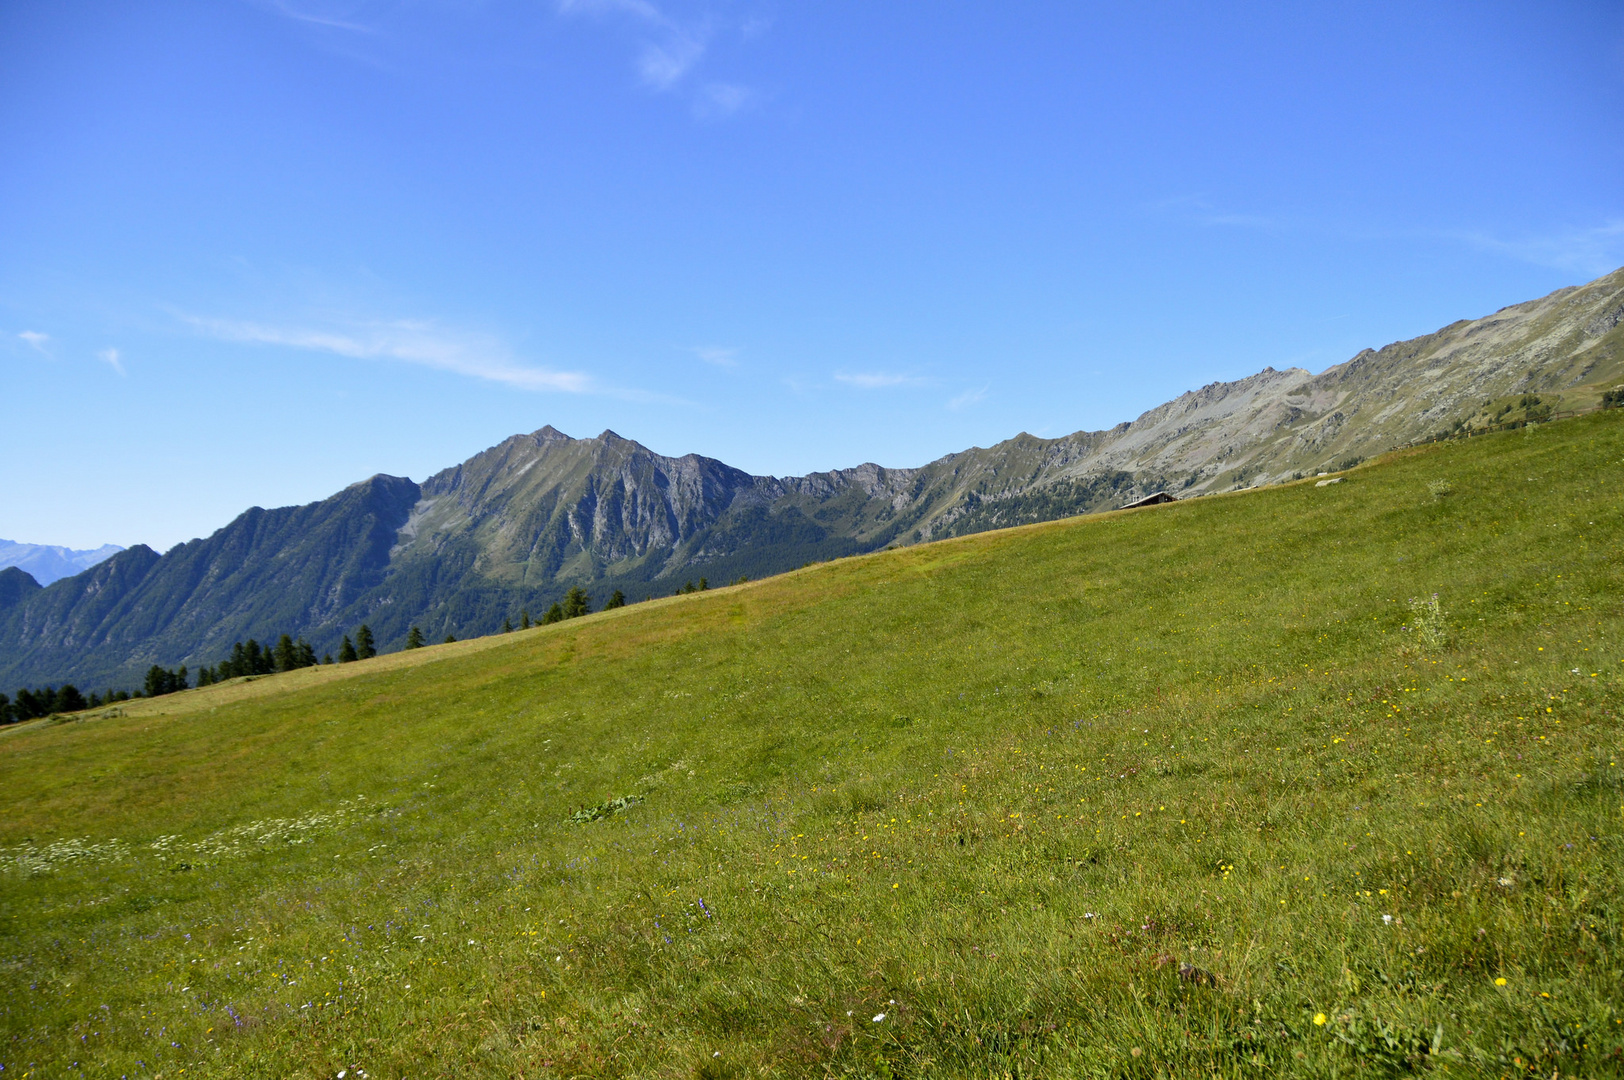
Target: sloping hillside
1210 788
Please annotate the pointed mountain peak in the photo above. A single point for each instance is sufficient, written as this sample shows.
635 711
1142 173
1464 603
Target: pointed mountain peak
16 585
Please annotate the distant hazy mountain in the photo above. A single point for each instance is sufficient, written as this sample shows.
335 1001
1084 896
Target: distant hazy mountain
514 526
46 563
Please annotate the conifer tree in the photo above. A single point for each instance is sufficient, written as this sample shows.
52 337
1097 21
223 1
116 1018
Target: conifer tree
5 709
507 626
346 651
576 603
327 658
286 658
414 639
448 640
616 599
306 654
524 619
365 648
554 614
159 681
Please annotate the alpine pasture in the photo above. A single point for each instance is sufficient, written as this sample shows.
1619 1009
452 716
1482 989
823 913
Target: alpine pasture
1213 788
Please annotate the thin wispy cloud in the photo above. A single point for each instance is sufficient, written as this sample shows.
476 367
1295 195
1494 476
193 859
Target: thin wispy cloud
876 380
36 341
415 342
1241 221
720 357
304 13
967 399
671 54
1198 210
1589 250
671 48
110 357
718 100
663 64
1593 251
640 9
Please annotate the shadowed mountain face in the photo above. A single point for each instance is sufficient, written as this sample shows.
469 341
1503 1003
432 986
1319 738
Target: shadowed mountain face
295 568
511 528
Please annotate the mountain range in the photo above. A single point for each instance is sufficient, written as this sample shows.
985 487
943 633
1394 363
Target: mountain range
513 527
46 563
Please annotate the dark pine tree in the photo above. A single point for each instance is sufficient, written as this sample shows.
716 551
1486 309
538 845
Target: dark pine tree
287 657
448 640
162 681
554 614
576 603
414 639
346 651
5 709
616 599
69 699
507 626
524 619
327 658
306 655
365 647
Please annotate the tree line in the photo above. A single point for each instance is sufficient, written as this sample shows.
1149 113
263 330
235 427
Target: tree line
247 658
250 658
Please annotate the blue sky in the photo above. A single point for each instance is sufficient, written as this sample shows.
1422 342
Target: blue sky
251 252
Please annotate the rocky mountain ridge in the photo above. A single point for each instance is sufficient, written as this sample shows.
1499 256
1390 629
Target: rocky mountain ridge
515 525
46 563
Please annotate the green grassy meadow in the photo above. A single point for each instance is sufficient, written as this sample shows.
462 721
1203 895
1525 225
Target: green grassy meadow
997 789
